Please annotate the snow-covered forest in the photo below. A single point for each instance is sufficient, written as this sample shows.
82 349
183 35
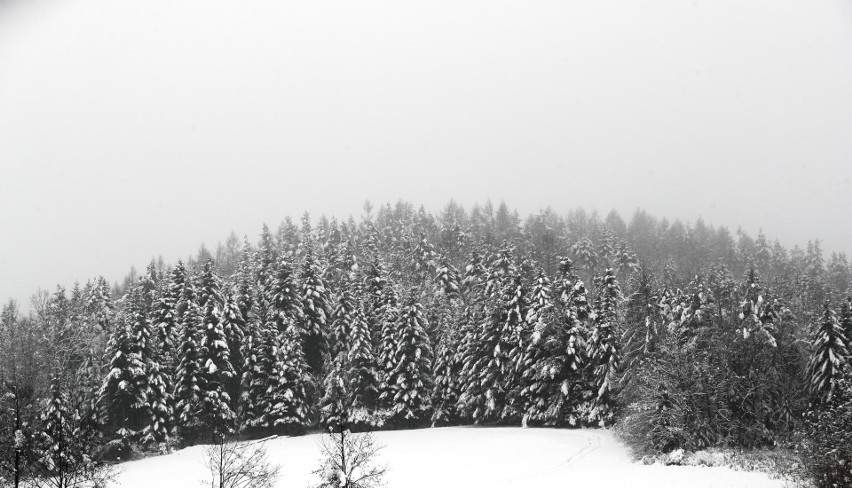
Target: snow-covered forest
678 335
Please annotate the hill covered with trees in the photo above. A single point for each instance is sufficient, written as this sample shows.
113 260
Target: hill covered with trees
682 335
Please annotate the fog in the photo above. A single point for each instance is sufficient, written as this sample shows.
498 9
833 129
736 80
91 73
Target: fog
134 129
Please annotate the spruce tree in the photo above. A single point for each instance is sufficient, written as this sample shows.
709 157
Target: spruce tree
758 315
334 406
536 369
260 355
290 383
123 396
846 321
315 310
447 364
829 357
494 348
62 450
284 297
362 367
214 362
234 327
341 322
186 394
388 314
411 377
604 349
554 360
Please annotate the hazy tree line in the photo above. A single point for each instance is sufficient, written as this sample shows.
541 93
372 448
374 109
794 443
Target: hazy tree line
684 335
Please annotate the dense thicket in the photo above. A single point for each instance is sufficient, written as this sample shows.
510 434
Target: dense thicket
685 334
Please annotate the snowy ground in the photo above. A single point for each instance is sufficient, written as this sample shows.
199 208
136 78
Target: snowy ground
466 457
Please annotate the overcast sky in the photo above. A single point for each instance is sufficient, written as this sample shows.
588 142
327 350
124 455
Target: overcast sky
130 129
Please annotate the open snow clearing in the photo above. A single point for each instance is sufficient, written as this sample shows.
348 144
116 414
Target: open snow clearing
464 457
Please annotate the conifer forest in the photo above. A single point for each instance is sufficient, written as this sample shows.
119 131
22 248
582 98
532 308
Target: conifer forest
678 335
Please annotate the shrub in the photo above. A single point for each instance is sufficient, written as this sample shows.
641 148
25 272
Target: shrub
827 447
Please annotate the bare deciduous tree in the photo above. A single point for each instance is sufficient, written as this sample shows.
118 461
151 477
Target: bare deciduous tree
349 461
239 465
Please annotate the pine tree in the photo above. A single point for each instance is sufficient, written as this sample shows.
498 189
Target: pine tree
494 348
757 315
63 449
624 260
411 377
284 297
169 309
123 396
334 407
555 358
362 367
447 364
288 396
446 371
186 379
374 283
260 354
341 322
846 321
315 306
423 261
388 313
604 349
829 358
585 254
156 424
234 327
214 412
159 409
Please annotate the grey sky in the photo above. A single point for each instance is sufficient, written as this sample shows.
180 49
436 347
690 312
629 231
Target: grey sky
130 129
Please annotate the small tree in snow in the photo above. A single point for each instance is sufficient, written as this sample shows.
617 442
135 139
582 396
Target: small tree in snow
349 460
239 465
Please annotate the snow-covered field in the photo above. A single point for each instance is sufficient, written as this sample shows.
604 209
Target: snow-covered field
466 457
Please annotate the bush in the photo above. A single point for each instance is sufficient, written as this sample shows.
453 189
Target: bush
115 450
674 401
827 448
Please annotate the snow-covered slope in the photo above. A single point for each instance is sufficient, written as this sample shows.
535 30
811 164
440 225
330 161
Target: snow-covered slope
466 457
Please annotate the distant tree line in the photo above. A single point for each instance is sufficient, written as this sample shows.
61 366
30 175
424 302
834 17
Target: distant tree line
684 335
